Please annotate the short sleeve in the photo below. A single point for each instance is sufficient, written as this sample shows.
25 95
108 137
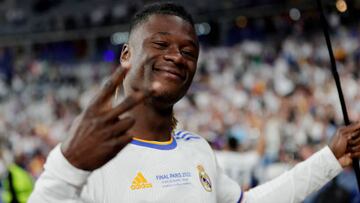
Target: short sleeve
228 191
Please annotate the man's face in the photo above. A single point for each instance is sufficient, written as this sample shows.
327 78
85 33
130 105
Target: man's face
164 48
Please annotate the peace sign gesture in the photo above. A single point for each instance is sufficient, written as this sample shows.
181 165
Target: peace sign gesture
97 134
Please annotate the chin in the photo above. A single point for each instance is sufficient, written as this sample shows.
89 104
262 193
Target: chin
166 98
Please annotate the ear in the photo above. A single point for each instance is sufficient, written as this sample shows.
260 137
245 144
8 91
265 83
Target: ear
125 57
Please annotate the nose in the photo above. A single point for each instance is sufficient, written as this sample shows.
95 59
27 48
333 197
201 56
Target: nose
174 55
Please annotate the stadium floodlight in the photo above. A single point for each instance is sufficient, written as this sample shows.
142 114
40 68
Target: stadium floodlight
294 14
341 6
202 28
337 81
119 38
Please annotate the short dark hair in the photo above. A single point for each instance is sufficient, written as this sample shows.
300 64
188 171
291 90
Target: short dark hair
165 8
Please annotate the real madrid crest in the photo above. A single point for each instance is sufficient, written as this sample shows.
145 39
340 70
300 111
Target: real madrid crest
204 178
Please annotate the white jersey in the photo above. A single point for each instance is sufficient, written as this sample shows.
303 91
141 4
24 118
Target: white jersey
181 170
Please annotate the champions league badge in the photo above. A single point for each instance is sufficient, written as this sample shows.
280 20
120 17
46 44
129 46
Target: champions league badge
204 178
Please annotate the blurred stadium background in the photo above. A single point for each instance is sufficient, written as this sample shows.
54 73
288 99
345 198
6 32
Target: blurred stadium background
264 71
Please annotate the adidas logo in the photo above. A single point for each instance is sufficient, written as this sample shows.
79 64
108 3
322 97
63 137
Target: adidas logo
140 182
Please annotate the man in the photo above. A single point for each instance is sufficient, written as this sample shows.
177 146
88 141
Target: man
96 163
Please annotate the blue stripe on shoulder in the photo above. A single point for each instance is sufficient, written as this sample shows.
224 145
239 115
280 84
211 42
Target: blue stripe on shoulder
178 133
185 135
192 137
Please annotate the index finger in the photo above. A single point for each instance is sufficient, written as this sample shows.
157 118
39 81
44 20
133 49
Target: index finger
127 104
109 87
352 127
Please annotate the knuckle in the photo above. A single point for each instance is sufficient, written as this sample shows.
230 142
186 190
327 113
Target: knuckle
112 143
78 118
128 122
109 84
89 113
95 122
127 103
122 142
341 130
113 134
130 100
120 127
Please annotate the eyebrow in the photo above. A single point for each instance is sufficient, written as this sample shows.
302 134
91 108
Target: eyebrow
192 42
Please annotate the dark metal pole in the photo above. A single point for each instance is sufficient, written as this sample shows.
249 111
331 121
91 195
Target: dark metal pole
325 27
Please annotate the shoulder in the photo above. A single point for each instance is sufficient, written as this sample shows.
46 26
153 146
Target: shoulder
183 135
187 138
195 145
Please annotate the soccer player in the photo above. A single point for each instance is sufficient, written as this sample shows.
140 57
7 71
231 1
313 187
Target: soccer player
131 153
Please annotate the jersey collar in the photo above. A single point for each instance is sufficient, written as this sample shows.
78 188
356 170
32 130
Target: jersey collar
168 145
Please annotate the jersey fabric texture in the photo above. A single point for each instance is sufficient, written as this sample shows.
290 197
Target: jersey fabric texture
181 170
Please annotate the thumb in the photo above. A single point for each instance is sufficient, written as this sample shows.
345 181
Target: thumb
345 160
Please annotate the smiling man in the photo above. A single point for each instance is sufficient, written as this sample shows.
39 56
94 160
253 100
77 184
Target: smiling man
131 153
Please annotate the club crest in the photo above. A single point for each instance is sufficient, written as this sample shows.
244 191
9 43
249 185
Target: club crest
204 178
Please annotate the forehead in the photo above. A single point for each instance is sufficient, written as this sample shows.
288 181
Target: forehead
161 23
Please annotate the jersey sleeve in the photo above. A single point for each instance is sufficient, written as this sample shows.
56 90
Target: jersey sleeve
60 181
228 191
296 184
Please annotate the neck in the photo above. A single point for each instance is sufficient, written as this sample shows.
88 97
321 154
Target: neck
151 123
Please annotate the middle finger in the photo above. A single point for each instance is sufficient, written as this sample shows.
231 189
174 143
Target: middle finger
128 103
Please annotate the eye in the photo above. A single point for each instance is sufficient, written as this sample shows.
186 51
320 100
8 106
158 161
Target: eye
188 53
160 44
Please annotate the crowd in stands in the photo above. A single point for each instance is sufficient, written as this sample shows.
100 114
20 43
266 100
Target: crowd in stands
283 90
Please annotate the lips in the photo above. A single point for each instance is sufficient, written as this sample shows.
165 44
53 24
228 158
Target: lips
171 71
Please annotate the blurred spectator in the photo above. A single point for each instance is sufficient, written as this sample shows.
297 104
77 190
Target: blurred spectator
17 184
238 165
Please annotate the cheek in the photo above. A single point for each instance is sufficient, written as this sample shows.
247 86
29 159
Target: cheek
140 73
132 80
192 69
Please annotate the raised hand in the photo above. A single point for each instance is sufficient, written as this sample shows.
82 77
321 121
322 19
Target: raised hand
97 134
346 144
